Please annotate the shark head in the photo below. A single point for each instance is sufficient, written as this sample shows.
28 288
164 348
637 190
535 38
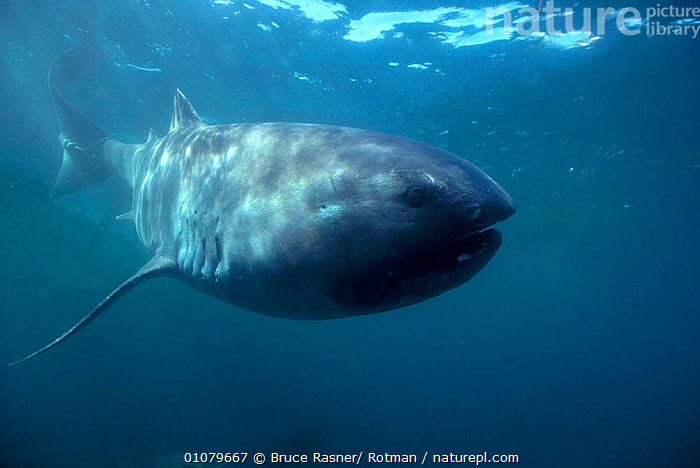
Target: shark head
429 213
379 222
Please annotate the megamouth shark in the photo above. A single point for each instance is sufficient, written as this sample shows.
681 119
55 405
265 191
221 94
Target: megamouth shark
291 220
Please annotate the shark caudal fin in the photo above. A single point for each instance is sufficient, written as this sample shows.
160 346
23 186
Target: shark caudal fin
82 140
159 265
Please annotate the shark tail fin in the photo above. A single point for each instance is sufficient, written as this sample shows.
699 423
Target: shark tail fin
82 140
159 265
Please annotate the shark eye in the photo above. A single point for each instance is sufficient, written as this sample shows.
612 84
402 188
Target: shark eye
417 196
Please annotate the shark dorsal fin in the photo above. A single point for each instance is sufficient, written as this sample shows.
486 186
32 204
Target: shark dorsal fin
152 137
184 114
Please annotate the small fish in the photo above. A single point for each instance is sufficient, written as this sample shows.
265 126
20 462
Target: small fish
610 150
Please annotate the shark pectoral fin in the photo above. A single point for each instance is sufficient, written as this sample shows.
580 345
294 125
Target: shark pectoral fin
126 216
162 264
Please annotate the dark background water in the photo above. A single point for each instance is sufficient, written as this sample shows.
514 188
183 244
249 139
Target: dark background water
577 346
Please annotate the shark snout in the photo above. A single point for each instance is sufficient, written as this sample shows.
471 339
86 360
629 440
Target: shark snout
494 206
499 208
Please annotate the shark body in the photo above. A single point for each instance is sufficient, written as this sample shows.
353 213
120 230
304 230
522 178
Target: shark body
293 220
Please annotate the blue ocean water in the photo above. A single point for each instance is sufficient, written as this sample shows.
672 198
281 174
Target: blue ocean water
576 346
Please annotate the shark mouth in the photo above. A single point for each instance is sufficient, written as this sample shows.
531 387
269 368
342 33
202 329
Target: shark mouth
442 268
